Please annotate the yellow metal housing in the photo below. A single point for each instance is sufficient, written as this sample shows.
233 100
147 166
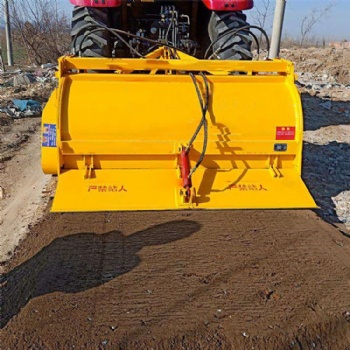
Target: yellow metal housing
113 131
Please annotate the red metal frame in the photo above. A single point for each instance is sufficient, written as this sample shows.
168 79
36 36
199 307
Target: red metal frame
96 3
229 5
215 5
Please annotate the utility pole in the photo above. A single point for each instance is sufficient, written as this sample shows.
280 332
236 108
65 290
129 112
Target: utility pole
277 28
8 33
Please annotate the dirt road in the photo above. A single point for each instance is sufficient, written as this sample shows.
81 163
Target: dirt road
269 280
22 181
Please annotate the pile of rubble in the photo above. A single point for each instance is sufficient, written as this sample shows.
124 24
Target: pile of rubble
23 94
320 63
28 82
323 85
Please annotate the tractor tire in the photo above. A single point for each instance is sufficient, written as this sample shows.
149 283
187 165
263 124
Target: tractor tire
97 44
230 47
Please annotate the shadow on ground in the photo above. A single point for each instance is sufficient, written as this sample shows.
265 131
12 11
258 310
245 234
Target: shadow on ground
326 157
316 117
326 172
82 261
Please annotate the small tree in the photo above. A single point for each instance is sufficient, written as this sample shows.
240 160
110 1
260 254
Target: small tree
263 12
313 17
261 15
41 28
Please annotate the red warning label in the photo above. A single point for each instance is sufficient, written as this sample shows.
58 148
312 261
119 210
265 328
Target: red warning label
285 133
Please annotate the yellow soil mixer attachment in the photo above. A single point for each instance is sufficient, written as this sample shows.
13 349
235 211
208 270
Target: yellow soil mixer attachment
159 133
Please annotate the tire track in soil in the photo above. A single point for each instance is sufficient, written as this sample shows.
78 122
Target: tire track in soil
193 280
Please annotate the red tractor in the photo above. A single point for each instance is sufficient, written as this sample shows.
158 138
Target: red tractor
188 25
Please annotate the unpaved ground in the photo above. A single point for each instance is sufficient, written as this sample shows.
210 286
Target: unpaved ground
193 280
23 201
324 81
330 61
219 280
14 134
326 162
23 195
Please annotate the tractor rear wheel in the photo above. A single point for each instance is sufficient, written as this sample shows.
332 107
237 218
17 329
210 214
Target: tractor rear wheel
98 44
230 46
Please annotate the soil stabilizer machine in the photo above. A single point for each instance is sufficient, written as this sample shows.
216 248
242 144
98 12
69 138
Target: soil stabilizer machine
161 107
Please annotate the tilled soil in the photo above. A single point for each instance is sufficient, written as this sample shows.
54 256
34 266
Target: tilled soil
179 280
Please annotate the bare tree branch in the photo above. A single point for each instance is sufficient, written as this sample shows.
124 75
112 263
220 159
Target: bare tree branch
312 18
263 12
41 28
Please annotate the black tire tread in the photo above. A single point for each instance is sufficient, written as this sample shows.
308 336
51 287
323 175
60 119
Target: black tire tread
96 44
236 47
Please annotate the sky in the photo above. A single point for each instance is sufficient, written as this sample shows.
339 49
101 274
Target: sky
334 26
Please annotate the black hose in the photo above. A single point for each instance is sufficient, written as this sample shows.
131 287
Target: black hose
236 32
118 33
203 123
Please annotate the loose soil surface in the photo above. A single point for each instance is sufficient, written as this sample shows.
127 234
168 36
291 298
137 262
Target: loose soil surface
188 280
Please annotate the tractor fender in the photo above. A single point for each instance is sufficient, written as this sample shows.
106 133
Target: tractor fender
215 5
229 5
96 3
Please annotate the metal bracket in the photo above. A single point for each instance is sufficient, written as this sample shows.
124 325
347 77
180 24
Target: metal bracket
185 200
89 166
273 169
